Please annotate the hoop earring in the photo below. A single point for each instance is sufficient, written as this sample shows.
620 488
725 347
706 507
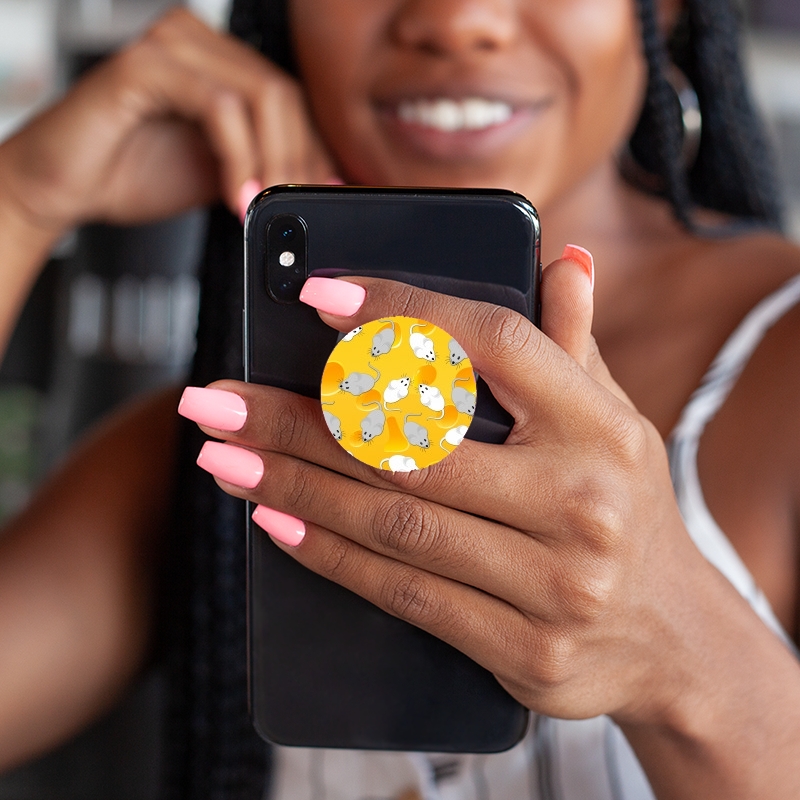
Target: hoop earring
691 120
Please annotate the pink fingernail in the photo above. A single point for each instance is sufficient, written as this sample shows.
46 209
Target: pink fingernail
334 296
283 527
216 408
334 180
580 255
249 190
232 464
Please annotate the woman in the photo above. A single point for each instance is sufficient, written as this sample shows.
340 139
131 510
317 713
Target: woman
581 582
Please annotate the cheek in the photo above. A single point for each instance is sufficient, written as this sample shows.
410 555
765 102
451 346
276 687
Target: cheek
333 41
610 73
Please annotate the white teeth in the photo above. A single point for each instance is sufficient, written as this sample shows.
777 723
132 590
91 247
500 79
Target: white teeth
449 115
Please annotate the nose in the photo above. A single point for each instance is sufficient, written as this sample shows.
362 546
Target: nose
451 27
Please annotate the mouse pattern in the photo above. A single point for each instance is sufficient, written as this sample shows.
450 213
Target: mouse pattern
391 404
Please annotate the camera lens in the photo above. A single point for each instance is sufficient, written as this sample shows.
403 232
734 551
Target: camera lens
287 232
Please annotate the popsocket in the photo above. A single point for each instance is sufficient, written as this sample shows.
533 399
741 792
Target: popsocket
398 393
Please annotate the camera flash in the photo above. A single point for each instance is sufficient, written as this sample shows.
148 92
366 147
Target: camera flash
286 258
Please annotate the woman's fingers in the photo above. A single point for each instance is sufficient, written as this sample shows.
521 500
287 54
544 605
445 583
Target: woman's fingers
514 485
491 557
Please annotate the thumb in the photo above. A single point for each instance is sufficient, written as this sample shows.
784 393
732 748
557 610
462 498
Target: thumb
567 310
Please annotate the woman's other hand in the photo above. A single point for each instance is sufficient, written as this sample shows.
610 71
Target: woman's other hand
179 118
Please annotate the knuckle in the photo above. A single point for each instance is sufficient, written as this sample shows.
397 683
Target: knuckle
412 598
299 489
406 525
589 591
287 427
594 513
552 662
506 333
334 559
404 297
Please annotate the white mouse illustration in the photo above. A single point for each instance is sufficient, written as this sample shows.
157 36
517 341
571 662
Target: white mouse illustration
399 464
353 333
454 437
421 345
431 398
395 391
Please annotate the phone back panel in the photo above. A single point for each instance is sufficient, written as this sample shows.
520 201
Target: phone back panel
327 668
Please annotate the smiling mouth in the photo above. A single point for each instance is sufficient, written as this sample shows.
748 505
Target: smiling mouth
451 116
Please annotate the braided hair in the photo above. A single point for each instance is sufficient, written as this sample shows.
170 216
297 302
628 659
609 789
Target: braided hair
211 749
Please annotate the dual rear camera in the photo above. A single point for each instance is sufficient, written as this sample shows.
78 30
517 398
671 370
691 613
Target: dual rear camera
287 246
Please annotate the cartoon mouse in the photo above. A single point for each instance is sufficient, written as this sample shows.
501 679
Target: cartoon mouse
383 341
333 422
431 398
357 383
421 344
454 437
395 391
463 400
415 433
348 337
457 354
372 425
399 463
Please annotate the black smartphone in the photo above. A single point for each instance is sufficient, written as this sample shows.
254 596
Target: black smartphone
327 668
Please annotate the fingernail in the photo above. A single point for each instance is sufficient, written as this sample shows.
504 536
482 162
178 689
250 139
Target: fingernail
580 255
334 180
216 408
249 190
232 464
336 297
283 527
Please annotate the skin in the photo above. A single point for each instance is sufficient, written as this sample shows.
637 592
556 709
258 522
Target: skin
591 599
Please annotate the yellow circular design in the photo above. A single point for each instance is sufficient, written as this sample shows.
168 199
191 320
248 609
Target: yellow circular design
398 393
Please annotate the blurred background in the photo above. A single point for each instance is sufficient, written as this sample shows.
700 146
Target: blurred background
114 314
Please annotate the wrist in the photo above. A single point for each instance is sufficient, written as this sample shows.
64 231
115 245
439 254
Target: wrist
725 720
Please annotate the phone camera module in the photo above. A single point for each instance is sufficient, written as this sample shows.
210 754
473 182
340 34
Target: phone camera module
286 257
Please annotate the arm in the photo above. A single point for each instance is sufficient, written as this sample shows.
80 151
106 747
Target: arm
77 572
559 560
180 118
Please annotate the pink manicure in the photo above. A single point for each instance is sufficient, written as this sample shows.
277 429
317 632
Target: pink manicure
232 464
334 296
249 190
225 411
280 526
582 256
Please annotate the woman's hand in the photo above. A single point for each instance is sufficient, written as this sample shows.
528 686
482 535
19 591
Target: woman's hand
544 559
180 117
557 560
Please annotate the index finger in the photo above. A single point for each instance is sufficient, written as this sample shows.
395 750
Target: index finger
523 368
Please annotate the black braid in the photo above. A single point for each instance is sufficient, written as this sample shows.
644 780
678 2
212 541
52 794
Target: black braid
733 172
212 750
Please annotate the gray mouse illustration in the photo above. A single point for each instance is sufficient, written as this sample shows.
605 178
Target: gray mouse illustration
373 424
463 400
457 354
383 341
334 424
415 433
357 383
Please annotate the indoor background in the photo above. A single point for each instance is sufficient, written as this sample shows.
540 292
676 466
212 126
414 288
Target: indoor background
114 314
